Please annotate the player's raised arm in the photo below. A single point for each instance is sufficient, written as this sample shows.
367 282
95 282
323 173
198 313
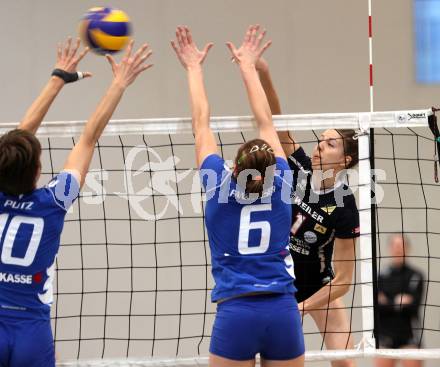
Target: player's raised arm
124 74
192 59
286 138
64 72
247 57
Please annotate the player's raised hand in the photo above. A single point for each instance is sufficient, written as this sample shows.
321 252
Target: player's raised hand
68 57
131 65
252 47
186 50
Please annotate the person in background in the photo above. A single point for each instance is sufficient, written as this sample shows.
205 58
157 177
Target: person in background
400 290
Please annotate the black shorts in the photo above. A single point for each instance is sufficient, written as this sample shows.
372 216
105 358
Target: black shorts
396 341
305 291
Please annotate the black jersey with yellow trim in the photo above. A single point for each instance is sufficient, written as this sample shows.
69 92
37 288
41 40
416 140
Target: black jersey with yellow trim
318 218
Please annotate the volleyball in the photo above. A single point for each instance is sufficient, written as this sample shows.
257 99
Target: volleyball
105 30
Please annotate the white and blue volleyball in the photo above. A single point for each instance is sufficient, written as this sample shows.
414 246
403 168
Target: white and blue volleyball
105 30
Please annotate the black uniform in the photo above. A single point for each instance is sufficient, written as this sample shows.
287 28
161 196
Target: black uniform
399 324
318 218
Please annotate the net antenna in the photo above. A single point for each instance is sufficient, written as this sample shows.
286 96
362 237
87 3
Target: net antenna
432 120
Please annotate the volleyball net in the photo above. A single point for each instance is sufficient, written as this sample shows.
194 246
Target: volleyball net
133 272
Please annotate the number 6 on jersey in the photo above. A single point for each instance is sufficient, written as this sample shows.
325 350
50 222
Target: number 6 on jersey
246 226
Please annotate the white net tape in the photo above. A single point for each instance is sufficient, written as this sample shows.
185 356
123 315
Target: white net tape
413 118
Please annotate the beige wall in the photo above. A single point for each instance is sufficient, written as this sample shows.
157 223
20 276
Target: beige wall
319 56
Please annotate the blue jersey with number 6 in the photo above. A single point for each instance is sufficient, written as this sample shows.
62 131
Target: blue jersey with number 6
30 231
248 239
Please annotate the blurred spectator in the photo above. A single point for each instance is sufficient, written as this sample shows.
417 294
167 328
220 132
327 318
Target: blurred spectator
400 289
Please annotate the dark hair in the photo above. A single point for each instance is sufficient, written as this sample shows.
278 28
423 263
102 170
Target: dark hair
19 162
350 144
256 155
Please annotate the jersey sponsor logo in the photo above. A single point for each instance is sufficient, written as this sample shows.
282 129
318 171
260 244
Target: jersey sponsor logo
17 205
301 185
299 246
15 308
259 285
38 277
329 209
297 200
15 278
320 229
310 237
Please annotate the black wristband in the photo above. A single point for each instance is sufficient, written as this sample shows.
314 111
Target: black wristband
66 76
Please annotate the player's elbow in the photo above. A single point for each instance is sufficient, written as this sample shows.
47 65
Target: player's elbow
200 120
90 137
28 126
344 289
264 119
341 286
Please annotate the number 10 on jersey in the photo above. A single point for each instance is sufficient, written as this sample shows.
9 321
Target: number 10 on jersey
11 234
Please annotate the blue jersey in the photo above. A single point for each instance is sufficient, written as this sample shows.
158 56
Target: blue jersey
30 231
248 240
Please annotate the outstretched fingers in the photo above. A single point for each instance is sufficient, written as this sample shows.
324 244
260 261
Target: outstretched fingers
186 50
179 38
140 62
174 46
82 54
260 38
188 34
252 47
131 65
112 62
140 53
183 35
68 58
205 51
66 50
178 53
247 36
137 62
59 51
74 49
141 69
128 50
254 33
233 50
264 48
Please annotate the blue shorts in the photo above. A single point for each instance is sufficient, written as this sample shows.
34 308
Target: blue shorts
26 343
268 324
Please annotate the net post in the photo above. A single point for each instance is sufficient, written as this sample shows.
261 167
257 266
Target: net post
373 238
365 241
